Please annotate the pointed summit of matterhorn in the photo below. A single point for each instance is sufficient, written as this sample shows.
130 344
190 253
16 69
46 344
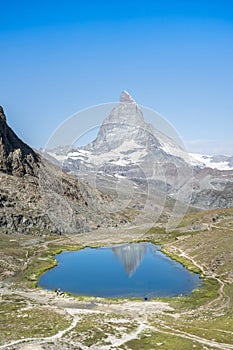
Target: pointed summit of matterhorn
125 123
126 111
126 98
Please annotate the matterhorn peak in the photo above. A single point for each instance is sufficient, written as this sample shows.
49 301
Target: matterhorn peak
126 98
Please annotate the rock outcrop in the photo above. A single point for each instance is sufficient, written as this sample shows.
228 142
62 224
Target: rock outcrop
16 158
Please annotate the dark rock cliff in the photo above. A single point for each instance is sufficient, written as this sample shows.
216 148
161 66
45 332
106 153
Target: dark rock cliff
16 158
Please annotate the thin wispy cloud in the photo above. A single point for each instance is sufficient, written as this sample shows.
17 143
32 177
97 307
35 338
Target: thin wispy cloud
211 147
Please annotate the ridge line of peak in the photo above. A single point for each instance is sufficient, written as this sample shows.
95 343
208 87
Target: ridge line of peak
2 114
126 97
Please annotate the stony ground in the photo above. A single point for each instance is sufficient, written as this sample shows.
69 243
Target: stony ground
32 318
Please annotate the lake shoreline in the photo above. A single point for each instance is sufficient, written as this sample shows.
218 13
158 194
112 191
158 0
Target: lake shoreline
172 320
103 238
128 270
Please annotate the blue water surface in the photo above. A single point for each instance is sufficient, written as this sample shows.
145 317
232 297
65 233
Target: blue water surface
127 270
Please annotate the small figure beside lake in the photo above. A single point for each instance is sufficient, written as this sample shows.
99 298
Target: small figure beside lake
59 292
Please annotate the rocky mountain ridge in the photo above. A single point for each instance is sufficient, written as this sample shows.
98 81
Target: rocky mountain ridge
37 196
16 158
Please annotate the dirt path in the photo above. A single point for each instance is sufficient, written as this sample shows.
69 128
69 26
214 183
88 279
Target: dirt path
185 335
137 311
59 335
223 298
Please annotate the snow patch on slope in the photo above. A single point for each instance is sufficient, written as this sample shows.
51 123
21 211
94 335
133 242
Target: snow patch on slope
207 161
129 152
175 151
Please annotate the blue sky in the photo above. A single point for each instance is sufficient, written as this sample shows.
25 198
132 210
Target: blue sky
174 56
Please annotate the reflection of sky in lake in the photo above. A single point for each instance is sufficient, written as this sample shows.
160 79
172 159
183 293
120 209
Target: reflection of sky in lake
127 270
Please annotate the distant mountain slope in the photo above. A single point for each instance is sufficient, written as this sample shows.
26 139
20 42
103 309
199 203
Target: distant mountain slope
140 165
219 162
127 147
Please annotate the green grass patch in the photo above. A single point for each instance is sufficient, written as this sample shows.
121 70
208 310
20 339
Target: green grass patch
18 322
183 261
218 329
44 261
201 296
156 340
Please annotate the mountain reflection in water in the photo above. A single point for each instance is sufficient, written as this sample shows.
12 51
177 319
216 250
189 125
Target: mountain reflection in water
123 270
131 255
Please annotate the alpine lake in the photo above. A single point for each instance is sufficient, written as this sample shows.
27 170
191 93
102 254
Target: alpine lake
135 270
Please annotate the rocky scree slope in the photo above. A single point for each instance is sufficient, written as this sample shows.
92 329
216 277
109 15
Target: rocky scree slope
36 196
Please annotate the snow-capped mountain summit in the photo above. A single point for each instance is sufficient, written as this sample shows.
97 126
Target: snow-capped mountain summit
128 148
125 139
132 160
